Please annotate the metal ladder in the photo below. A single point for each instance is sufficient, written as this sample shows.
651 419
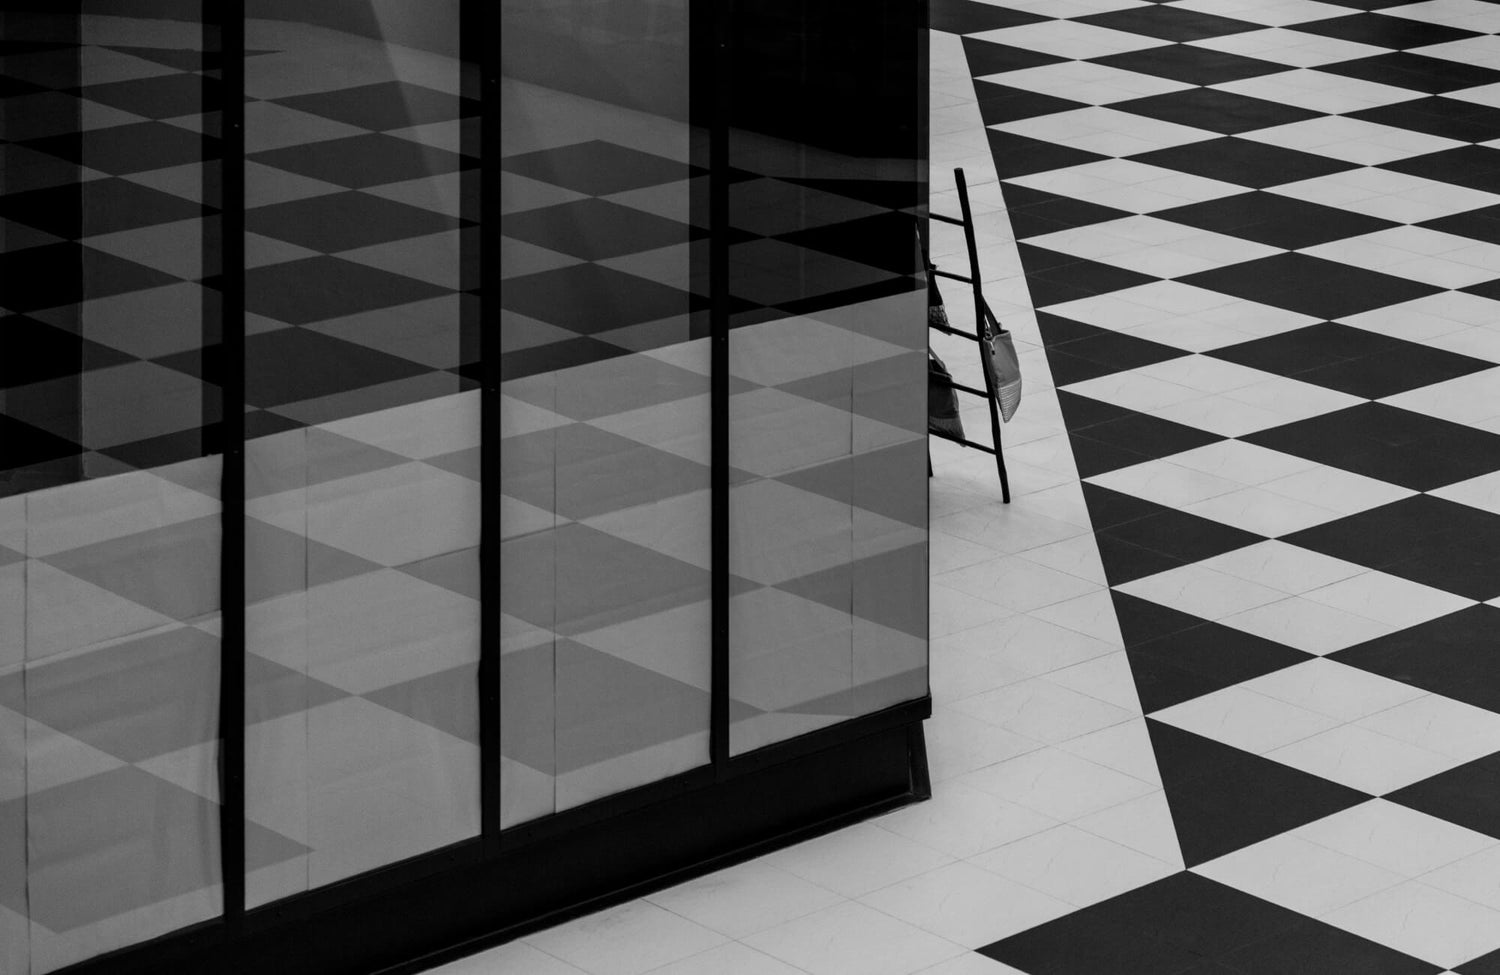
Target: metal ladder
986 324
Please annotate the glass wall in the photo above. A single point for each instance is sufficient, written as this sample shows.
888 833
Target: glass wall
605 415
828 503
110 463
493 555
362 475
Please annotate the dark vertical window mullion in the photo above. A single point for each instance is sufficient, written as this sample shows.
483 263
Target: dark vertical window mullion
480 44
717 119
231 45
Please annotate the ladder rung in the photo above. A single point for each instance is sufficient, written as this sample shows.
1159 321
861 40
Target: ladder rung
946 219
964 443
951 275
954 331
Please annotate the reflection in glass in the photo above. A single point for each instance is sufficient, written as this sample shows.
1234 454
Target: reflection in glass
362 464
828 501
605 411
109 486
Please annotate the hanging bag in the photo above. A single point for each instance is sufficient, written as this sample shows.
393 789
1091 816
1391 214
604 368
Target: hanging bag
942 400
1001 365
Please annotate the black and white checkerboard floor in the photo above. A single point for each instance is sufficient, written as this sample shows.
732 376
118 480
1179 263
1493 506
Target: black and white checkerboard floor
1219 693
1261 244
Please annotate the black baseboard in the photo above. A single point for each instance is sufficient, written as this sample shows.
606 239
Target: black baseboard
462 899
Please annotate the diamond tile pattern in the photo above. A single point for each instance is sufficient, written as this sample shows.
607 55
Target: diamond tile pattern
1300 550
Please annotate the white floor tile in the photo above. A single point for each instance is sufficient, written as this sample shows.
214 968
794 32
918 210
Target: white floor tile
627 940
1361 759
1042 710
1246 720
1403 840
964 822
853 939
1299 875
967 905
744 899
1431 924
1078 867
1333 689
1057 784
857 860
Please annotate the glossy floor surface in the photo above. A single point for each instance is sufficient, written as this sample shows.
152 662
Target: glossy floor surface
1219 692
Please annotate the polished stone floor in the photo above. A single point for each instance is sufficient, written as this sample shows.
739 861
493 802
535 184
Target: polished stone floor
1219 692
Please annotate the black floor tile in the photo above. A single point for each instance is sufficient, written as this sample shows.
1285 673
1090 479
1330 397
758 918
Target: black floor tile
1200 660
26 445
1184 536
315 289
881 241
1243 161
597 168
1190 65
362 161
1393 371
1416 71
1016 155
1476 167
1125 561
1382 537
1447 118
1468 796
968 17
1482 224
1314 946
1372 4
64 274
1134 439
556 356
1453 655
1310 285
11 87
98 206
293 364
172 448
136 148
1279 221
588 298
894 194
1351 360
1170 23
1312 347
34 352
344 221
987 57
1033 212
999 104
1082 411
595 229
384 106
1484 965
1113 350
1215 111
1185 911
1218 796
1110 508
1065 278
1380 30
1393 445
163 96
183 59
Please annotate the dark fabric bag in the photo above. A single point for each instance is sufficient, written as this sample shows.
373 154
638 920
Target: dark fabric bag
942 400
